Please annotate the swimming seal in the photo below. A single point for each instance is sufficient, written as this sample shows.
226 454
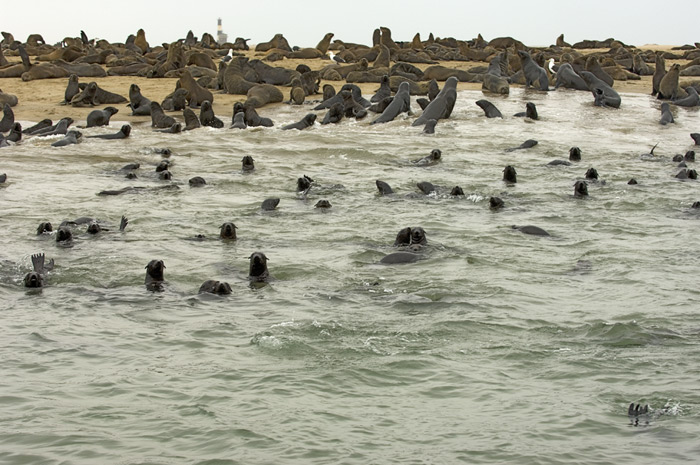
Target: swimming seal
269 204
489 108
334 114
154 275
72 137
591 174
228 231
44 228
575 154
696 137
525 145
580 189
496 203
384 188
666 115
258 268
532 230
509 175
41 125
426 187
122 134
197 181
247 163
100 117
397 258
59 128
35 279
211 286
403 237
306 122
432 159
64 235
530 112
323 204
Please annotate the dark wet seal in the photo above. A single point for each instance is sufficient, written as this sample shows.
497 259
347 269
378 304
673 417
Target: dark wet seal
384 188
525 145
559 163
3 178
687 174
456 191
403 237
396 258
532 230
509 174
689 155
64 235
695 205
95 228
433 158
696 137
35 278
166 152
632 182
228 231
269 204
131 176
304 184
426 187
162 166
677 158
154 275
165 175
580 188
323 204
591 174
197 181
418 236
44 228
496 203
247 163
211 286
574 154
258 268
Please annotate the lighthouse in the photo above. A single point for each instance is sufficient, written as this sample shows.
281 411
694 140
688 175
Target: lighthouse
221 38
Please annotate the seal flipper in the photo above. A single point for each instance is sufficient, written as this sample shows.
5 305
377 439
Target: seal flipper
124 222
25 58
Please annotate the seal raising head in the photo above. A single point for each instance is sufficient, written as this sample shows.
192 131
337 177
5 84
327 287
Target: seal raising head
228 231
258 267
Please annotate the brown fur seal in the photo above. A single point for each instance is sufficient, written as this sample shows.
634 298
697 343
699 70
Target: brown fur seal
196 93
668 86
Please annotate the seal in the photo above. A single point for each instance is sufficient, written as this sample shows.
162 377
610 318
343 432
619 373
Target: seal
177 101
659 73
400 104
44 228
696 137
304 184
41 125
211 286
59 128
158 118
72 137
456 191
692 100
123 133
140 105
15 134
530 112
489 108
196 94
567 77
323 204
35 279
580 189
8 118
403 237
532 230
383 92
604 95
174 129
426 187
306 122
228 231
525 145
86 98
509 175
533 72
496 203
94 227
441 107
575 154
397 258
432 159
668 86
384 188
269 204
191 120
154 275
591 174
100 117
72 89
334 114
238 121
207 117
418 236
666 115
64 235
247 164
258 271
197 181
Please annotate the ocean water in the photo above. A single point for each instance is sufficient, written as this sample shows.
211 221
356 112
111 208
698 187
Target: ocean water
495 347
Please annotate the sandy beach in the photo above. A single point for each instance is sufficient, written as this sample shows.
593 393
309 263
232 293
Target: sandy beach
40 99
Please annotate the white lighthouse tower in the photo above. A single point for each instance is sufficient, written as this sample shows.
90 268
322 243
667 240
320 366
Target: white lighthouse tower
221 38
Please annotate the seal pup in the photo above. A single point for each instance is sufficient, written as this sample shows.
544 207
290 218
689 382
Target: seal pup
59 128
100 117
258 271
696 137
228 231
580 189
64 235
306 122
41 125
211 286
247 164
207 117
531 230
489 108
154 275
384 188
530 112
140 105
35 278
575 154
533 72
72 137
123 133
509 175
432 159
269 204
15 134
403 237
567 77
666 115
238 121
525 145
334 114
441 107
191 119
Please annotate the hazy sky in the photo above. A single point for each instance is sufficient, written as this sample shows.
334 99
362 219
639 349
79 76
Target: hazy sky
304 22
